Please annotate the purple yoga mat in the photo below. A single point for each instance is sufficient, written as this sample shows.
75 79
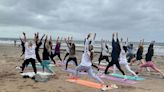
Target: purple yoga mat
117 79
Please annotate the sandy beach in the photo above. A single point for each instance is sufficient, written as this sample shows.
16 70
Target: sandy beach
12 81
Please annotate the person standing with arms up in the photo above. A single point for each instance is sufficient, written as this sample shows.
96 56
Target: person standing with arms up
30 54
115 55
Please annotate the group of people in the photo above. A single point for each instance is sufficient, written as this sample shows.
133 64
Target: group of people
122 54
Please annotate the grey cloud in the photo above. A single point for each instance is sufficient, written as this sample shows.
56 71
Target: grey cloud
101 16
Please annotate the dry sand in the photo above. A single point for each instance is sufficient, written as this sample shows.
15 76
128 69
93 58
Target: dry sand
11 81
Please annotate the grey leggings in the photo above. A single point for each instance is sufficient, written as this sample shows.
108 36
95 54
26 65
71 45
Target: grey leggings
89 70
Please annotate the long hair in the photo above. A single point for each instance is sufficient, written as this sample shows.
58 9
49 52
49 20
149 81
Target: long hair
91 51
73 48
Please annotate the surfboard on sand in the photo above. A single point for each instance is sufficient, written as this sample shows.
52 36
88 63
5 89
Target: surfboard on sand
86 83
128 77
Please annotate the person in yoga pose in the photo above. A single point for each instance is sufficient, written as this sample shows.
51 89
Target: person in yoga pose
123 60
139 55
72 54
56 50
46 55
30 54
86 65
130 52
91 41
149 62
105 52
67 49
23 46
38 45
115 55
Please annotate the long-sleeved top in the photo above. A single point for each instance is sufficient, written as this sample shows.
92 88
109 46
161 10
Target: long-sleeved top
123 54
150 53
115 49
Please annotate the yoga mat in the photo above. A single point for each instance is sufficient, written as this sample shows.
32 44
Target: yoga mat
86 83
128 77
73 71
31 74
117 79
40 66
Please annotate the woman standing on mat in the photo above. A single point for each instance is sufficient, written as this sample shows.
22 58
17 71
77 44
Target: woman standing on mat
115 55
140 52
123 60
149 62
38 44
56 50
67 49
72 54
130 52
46 55
91 41
86 64
105 52
30 55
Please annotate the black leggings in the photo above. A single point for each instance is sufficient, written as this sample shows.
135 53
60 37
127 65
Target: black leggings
38 58
102 58
27 61
116 62
67 54
73 59
53 55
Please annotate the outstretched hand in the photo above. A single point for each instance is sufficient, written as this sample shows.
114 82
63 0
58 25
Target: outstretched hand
88 35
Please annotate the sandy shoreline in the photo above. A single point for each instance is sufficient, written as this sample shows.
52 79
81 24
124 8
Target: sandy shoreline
11 81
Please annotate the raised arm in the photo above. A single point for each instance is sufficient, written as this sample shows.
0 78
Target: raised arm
113 41
45 41
94 36
101 43
117 38
25 39
93 40
68 39
126 43
57 40
86 45
142 42
43 37
35 38
121 44
61 39
67 42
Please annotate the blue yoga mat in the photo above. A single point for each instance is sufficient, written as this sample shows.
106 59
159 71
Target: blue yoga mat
128 77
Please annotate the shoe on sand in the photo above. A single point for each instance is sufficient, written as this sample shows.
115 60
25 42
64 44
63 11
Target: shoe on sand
105 88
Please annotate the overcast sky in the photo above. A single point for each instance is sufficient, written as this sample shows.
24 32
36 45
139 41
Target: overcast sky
135 19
